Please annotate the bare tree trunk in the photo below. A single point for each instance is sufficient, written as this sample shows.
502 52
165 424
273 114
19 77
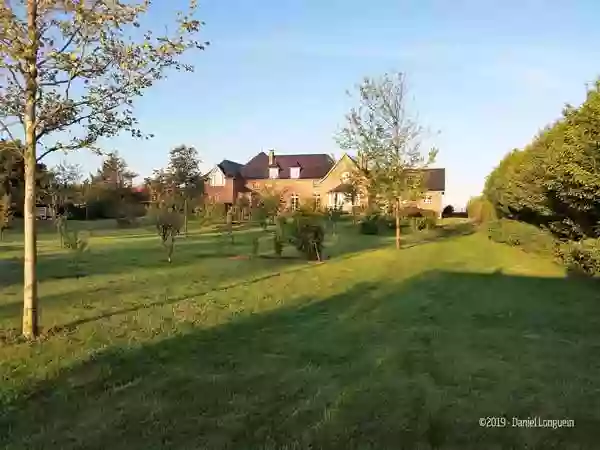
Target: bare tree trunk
30 298
397 224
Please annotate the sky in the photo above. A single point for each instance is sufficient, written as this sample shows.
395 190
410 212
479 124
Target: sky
484 76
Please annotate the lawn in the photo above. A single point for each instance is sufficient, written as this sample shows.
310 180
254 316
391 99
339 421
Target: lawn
372 349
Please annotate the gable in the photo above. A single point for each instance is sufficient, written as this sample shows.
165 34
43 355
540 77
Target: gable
342 165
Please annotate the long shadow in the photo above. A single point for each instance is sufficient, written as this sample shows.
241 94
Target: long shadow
380 366
128 255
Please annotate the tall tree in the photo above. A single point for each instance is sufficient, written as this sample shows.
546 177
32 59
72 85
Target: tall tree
76 66
388 141
184 175
114 172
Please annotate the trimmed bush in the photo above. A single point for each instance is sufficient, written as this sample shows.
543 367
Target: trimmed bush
582 257
520 234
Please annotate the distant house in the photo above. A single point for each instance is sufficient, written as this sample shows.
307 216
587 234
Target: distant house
225 183
301 178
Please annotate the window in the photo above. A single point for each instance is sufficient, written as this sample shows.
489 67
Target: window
273 172
345 177
317 200
427 200
294 172
217 179
294 202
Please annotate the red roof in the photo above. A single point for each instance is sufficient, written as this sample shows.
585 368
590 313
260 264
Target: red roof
312 166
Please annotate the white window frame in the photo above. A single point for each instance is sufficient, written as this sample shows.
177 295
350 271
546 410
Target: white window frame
273 173
294 172
428 200
317 200
294 201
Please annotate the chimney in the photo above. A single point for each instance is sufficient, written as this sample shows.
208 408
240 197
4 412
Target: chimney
271 157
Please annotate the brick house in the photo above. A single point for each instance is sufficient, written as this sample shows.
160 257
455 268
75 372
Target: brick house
225 183
301 178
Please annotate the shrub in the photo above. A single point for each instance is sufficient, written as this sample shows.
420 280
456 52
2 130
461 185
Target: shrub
305 231
520 234
481 210
77 245
581 257
370 224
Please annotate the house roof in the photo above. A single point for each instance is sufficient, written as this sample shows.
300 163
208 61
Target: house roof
312 166
343 188
230 168
436 179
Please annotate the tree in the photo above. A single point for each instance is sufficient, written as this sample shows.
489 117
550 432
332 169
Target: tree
114 172
61 185
388 142
270 203
184 175
554 182
72 70
448 211
12 173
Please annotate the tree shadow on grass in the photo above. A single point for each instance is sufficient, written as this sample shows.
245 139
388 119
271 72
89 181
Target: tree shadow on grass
380 366
115 259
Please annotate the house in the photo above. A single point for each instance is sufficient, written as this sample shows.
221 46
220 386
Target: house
225 183
301 178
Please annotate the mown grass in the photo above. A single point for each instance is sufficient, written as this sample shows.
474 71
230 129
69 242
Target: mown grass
372 349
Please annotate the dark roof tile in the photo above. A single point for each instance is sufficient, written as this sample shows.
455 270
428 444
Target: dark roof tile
312 166
230 168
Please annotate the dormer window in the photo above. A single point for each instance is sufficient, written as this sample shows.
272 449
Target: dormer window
273 172
294 172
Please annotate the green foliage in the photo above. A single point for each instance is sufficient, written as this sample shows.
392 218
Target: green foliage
519 234
271 203
412 220
388 142
370 224
6 214
480 210
555 181
77 245
279 235
259 216
168 226
305 231
582 257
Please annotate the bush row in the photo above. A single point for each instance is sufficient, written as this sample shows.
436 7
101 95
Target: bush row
580 257
411 220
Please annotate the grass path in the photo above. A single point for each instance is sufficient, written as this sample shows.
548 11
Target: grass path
373 349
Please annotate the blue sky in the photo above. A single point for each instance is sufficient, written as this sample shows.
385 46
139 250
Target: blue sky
486 74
